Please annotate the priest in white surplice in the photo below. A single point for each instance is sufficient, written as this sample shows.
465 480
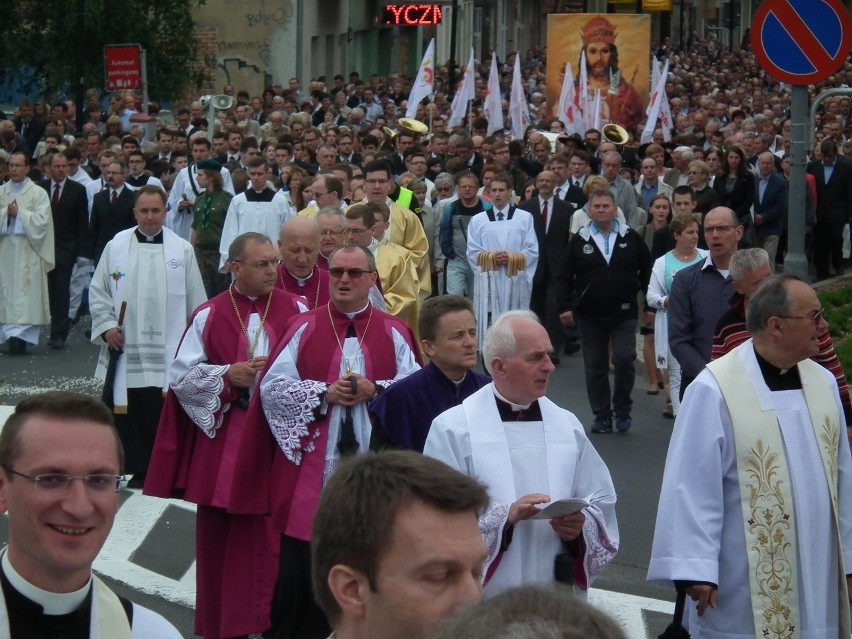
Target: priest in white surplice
764 551
529 451
26 256
258 209
502 250
155 272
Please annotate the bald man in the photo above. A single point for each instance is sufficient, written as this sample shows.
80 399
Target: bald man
298 273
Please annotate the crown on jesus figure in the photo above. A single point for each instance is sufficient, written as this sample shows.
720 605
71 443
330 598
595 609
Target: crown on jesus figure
598 29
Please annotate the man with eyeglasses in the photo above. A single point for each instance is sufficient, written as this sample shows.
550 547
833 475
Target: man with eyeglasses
328 192
749 269
311 412
60 476
27 254
755 515
701 294
211 381
155 272
137 174
332 225
405 229
258 208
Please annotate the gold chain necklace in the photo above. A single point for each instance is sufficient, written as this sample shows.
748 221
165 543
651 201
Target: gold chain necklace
259 330
315 269
337 337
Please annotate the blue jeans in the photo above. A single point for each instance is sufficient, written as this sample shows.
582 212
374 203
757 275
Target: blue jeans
459 278
596 335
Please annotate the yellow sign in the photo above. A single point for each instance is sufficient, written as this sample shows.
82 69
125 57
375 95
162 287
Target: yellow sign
656 5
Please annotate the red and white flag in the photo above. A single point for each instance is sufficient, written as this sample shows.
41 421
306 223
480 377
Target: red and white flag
466 93
493 107
658 97
567 111
424 82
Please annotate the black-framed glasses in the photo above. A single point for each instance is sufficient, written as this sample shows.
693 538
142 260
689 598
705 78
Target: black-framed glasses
353 273
263 265
96 483
722 228
816 318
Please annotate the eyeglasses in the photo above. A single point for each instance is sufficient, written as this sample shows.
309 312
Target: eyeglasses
376 182
722 228
353 273
331 233
98 483
816 318
352 231
262 265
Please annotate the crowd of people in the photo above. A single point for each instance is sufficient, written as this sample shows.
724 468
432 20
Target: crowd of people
265 288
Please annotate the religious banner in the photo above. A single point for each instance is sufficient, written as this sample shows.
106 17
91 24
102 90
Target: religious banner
616 51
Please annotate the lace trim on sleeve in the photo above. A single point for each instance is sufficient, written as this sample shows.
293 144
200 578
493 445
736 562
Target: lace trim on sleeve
289 408
491 525
600 549
199 395
384 383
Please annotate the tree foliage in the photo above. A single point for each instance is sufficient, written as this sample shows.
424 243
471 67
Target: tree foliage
39 47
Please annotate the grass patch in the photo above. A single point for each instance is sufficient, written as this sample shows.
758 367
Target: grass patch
837 303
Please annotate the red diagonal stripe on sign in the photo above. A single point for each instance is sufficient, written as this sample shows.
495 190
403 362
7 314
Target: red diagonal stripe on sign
804 38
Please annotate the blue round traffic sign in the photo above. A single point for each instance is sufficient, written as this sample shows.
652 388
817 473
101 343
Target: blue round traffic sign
801 42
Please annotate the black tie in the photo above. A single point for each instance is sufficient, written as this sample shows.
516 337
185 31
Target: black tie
500 216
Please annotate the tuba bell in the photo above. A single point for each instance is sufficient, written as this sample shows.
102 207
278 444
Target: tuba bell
407 126
616 134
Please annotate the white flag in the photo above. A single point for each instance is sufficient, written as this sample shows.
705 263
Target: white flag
568 111
493 106
655 77
465 93
596 123
423 82
584 94
658 95
518 109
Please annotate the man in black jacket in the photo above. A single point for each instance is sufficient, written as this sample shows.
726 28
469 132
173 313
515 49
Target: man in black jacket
604 269
833 177
69 208
552 219
27 125
112 210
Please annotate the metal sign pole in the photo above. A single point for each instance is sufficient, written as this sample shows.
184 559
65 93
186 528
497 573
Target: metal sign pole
795 261
144 70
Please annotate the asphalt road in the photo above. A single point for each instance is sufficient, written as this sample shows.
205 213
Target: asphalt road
149 556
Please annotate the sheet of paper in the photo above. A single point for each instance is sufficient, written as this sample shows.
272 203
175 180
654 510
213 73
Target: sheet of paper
560 508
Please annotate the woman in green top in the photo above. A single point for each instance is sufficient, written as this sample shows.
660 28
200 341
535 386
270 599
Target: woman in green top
211 207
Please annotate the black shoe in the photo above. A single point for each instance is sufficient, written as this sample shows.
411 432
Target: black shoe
57 344
602 425
571 348
16 346
623 423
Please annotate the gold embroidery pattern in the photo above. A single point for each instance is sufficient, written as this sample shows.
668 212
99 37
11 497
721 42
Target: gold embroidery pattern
768 530
830 440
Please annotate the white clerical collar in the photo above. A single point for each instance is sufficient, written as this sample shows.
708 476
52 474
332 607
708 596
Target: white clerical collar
149 238
243 294
53 603
356 313
514 406
303 280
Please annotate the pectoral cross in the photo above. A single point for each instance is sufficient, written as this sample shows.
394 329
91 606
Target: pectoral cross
151 333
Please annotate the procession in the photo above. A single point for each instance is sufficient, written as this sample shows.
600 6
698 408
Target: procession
413 353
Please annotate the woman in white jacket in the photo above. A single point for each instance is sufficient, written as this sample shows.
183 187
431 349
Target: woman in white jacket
684 230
